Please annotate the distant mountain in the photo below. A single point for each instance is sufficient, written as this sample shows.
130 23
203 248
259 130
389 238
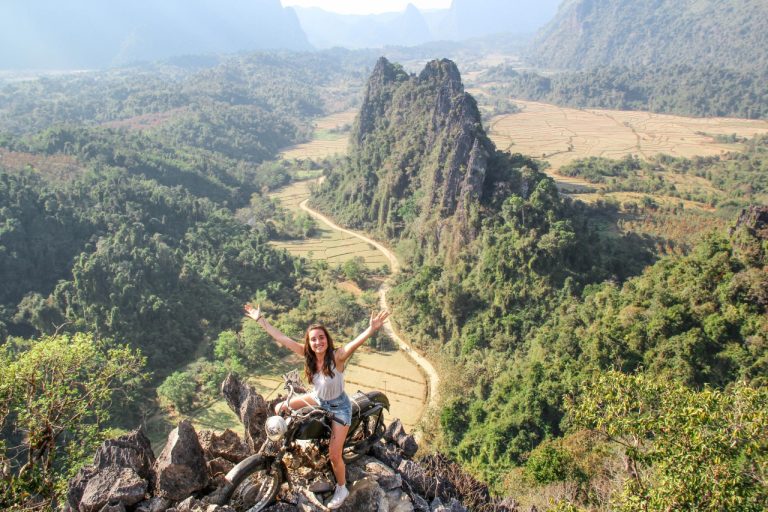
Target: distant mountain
475 18
590 33
465 19
327 29
94 34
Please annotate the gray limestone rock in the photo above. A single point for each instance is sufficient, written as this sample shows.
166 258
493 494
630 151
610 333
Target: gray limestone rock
250 407
365 495
181 469
226 445
113 486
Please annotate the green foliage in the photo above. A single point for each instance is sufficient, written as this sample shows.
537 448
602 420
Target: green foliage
128 258
354 269
178 389
550 463
700 90
55 395
688 450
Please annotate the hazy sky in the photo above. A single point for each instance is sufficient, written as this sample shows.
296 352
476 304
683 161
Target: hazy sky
368 6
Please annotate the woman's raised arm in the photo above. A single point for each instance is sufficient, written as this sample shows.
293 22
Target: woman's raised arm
377 320
282 339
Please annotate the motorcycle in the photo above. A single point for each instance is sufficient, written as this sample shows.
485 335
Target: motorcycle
256 480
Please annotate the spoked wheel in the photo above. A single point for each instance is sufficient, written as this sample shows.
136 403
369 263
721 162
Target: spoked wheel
370 430
256 491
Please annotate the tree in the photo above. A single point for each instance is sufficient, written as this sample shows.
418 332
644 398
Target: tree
686 449
178 389
55 396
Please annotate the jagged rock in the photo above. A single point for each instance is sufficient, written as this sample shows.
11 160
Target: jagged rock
132 451
398 501
453 506
421 482
387 453
419 503
226 445
77 485
385 476
394 431
154 504
113 507
249 406
366 495
755 220
321 486
181 469
281 507
112 485
194 505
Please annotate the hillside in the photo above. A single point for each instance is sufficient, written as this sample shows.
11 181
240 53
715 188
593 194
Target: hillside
421 164
589 33
528 300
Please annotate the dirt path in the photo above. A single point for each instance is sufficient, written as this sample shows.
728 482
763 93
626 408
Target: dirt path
432 378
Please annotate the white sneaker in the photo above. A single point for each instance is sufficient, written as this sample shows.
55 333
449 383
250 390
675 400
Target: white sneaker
339 496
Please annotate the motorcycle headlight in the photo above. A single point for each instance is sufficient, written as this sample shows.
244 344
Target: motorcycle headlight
275 428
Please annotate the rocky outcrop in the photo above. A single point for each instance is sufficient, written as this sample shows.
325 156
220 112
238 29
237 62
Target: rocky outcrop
249 406
181 468
126 477
121 474
420 163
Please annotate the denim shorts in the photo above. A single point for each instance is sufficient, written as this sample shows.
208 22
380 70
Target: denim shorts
340 407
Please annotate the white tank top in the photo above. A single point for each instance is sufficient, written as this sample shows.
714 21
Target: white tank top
327 387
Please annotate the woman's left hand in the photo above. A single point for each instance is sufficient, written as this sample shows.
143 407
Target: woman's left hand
377 319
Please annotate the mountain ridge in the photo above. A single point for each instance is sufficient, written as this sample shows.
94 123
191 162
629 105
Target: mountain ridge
590 33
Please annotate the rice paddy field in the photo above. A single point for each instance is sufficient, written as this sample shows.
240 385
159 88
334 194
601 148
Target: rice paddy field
561 135
330 137
329 244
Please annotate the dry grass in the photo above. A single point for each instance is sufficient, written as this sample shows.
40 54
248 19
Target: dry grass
324 142
53 167
561 135
328 244
148 121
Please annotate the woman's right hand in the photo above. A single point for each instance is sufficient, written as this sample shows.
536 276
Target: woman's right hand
252 312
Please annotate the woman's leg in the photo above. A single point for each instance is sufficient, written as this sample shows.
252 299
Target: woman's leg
338 436
297 402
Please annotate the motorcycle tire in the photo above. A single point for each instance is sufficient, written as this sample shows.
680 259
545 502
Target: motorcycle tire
370 430
251 485
256 492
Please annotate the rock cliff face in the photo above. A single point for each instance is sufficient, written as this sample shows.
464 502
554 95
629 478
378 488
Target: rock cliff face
126 477
420 163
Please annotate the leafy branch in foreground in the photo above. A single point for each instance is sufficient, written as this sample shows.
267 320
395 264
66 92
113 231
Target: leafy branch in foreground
685 449
55 396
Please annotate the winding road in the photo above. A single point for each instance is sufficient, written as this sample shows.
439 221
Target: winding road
433 380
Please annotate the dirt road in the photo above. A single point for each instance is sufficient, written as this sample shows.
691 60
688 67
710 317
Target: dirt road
432 378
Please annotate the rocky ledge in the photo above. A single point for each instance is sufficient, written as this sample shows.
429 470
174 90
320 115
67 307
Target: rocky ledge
127 477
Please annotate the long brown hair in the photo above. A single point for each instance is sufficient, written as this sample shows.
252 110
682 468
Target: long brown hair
310 358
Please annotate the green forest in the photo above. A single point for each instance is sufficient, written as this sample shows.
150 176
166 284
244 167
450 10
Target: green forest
134 224
583 367
544 296
682 89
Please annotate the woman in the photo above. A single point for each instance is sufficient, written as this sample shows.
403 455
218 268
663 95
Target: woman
324 368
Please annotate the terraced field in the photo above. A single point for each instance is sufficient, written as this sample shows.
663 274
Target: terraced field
330 138
329 244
